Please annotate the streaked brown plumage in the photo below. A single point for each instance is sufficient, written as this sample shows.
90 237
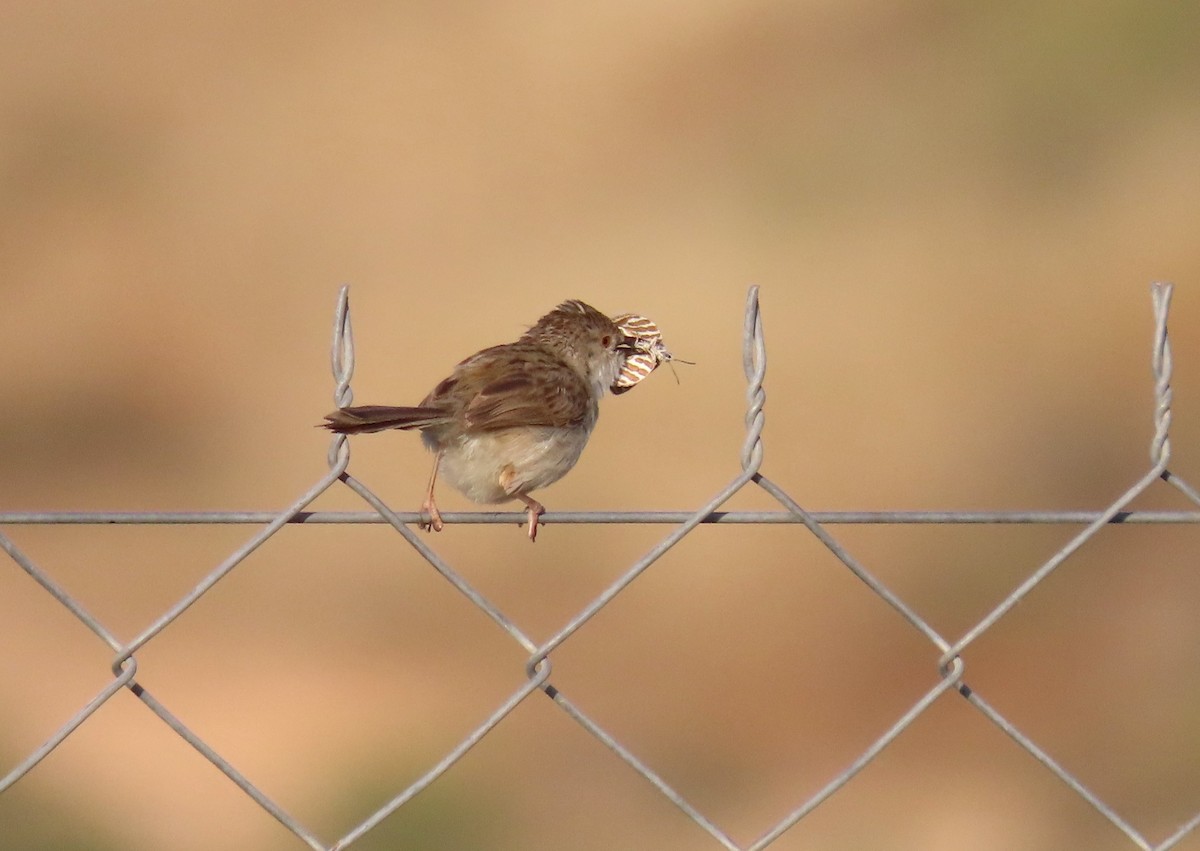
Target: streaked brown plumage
512 418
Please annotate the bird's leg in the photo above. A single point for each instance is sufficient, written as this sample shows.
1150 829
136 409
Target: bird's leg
534 509
429 506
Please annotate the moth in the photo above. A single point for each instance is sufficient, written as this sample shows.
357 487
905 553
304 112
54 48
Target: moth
649 351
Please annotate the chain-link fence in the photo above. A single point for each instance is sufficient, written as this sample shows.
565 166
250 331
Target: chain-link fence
948 654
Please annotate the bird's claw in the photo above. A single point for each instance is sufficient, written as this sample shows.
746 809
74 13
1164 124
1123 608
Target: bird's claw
433 521
534 511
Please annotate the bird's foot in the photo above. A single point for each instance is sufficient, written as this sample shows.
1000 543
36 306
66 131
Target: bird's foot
434 521
534 510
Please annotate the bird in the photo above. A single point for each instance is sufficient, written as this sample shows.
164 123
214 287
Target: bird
513 418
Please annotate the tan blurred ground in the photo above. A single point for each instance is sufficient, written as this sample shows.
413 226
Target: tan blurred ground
954 212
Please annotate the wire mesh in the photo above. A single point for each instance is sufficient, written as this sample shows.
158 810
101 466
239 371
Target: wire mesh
950 652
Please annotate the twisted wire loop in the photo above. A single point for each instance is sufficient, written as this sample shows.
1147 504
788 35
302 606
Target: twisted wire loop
342 361
1162 365
1160 446
754 361
342 352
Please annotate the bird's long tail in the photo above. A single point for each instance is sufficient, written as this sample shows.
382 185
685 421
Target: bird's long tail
365 419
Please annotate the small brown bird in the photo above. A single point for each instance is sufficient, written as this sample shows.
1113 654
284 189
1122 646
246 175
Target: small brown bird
512 418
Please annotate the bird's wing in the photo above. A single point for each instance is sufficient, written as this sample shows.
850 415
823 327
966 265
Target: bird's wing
550 395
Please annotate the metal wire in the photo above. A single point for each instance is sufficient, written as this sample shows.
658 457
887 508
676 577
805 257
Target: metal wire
622 518
949 659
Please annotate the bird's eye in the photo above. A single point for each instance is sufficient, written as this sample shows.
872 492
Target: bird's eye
606 341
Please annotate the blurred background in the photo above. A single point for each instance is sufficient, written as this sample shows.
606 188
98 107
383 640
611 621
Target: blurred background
954 212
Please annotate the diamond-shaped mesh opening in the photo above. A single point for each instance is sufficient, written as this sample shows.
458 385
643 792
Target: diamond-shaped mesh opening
1092 664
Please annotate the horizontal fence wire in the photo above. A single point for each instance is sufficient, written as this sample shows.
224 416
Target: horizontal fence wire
948 652
622 518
